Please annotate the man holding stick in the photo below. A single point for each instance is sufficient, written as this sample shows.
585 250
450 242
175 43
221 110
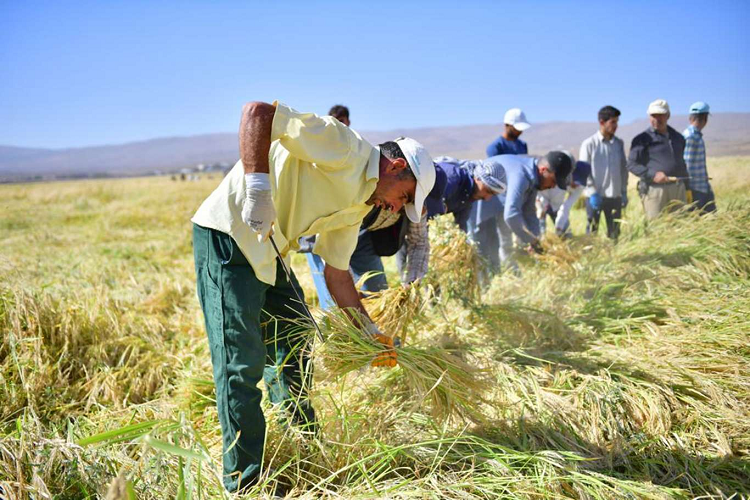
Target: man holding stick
656 158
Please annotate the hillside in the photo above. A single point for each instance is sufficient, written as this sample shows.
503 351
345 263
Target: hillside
727 134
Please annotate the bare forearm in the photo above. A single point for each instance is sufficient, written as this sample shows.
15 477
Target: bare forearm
343 291
255 136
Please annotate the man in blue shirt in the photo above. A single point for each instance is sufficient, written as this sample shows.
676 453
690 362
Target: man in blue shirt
484 222
509 143
525 176
458 185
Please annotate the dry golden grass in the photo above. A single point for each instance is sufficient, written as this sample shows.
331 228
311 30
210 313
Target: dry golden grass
600 372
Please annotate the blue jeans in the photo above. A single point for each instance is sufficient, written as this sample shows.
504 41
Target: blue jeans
364 260
316 269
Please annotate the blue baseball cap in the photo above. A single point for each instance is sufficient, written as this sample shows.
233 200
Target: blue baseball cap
698 108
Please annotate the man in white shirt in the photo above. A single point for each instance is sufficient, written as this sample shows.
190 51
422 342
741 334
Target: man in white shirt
609 175
557 203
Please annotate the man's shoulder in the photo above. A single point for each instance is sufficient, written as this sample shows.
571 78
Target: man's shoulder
592 139
449 168
675 135
497 140
506 159
691 133
643 138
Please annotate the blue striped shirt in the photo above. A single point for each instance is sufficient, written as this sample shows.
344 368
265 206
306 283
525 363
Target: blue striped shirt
695 159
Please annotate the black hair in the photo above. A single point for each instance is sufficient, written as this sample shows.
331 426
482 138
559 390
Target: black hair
392 151
339 111
698 117
608 112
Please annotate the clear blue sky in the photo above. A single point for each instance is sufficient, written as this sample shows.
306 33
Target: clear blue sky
79 73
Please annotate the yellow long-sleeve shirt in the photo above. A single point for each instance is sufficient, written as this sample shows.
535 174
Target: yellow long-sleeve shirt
322 173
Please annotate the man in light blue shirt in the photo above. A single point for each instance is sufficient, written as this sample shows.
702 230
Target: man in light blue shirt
485 217
525 176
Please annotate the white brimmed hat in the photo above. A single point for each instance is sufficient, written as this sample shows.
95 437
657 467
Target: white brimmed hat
517 118
421 165
658 107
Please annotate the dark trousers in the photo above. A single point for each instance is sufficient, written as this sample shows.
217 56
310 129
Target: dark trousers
612 209
253 332
705 202
364 260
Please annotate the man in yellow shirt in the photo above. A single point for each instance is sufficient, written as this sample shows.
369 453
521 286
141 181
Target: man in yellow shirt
299 174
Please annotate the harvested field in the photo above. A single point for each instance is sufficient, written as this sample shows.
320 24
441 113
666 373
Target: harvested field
602 371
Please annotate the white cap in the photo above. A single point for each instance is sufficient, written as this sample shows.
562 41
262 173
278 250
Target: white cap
658 107
517 118
421 165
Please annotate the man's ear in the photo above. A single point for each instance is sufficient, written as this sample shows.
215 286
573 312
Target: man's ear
396 166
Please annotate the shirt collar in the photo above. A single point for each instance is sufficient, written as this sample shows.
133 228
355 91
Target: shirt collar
694 130
602 138
654 132
537 178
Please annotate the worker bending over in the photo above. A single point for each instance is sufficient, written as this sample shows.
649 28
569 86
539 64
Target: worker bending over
298 174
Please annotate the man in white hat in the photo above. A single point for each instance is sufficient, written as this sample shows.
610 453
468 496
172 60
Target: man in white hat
509 143
656 158
298 174
487 216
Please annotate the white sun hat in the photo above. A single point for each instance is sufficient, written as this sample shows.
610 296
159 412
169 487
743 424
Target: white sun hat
658 107
421 165
517 118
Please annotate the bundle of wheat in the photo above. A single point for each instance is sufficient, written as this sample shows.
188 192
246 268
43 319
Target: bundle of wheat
455 265
429 375
396 309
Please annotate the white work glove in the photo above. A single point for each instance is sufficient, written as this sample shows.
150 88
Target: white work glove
258 211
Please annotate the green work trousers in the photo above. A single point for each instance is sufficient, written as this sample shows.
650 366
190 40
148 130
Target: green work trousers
253 332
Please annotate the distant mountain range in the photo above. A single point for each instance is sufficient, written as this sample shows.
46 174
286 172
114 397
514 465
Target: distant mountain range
726 134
